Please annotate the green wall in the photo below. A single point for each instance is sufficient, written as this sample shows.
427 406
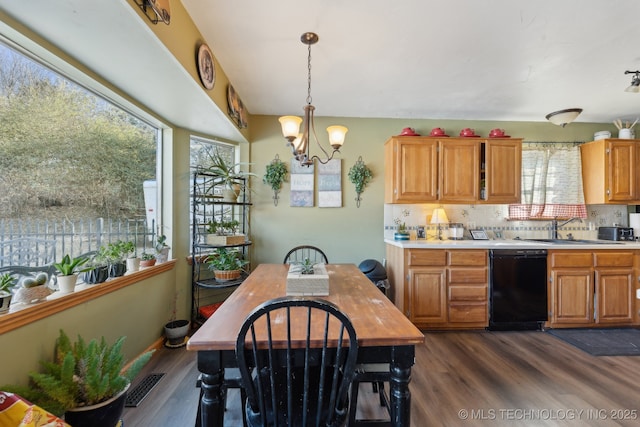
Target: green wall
138 311
350 234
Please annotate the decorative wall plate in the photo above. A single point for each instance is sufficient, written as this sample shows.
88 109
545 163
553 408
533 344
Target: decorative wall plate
236 108
206 66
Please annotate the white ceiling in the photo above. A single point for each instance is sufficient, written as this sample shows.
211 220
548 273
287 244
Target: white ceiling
455 59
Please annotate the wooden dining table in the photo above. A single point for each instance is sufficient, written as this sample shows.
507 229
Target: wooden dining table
385 335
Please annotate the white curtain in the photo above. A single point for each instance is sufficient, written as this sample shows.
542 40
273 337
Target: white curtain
551 183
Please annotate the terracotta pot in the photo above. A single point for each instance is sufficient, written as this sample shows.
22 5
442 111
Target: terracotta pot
223 275
147 262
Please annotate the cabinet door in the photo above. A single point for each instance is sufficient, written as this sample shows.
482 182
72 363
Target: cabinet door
572 292
503 171
614 289
427 296
412 170
621 171
459 171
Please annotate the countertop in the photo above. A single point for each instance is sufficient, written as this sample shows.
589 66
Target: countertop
507 244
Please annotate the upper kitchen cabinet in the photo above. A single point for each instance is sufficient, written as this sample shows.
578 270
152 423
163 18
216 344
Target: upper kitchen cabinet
411 170
609 171
503 173
452 170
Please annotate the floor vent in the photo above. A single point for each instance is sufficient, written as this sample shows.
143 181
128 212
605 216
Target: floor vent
139 392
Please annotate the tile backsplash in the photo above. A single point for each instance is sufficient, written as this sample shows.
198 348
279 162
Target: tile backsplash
492 218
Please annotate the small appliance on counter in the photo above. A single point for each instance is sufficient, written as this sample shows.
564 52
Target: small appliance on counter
615 233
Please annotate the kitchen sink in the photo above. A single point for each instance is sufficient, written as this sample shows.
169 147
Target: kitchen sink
574 241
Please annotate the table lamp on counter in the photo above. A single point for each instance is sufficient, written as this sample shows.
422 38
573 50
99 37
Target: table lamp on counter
438 217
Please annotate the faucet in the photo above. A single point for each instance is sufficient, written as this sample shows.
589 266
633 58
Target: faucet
553 230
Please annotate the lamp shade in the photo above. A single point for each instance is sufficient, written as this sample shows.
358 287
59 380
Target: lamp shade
290 126
563 117
337 135
439 216
634 87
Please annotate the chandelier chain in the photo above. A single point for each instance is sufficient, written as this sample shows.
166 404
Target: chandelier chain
309 76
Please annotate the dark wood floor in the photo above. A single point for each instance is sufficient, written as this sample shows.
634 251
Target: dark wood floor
460 379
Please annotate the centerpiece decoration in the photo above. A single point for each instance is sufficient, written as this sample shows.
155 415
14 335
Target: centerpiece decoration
307 278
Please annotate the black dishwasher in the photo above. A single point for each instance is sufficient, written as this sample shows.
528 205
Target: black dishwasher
518 289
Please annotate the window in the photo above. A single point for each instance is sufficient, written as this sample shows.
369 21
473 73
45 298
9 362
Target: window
551 183
72 164
200 154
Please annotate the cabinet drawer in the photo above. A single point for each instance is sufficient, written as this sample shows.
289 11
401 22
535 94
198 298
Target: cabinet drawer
468 313
464 258
468 293
613 259
468 275
573 259
427 257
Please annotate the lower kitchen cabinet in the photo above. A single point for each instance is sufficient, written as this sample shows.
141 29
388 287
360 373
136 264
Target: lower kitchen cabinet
588 288
443 289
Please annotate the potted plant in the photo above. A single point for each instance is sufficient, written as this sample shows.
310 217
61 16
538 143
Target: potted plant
223 233
360 175
115 253
176 330
128 249
227 175
69 269
162 249
7 281
226 264
274 176
147 259
402 233
97 270
86 381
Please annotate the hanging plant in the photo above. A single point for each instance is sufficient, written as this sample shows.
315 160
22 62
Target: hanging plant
276 174
360 175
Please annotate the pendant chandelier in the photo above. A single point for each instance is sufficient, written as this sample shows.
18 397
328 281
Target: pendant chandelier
299 142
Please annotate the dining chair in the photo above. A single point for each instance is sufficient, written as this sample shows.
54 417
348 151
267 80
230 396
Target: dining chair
300 253
297 358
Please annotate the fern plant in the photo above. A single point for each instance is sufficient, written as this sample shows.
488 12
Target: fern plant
82 374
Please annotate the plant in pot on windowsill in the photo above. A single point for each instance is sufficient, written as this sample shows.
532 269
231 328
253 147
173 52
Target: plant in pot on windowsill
69 269
7 282
86 381
162 249
226 264
147 259
128 249
97 270
115 255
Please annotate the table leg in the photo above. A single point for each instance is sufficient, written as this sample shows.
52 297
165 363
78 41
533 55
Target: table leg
402 358
211 409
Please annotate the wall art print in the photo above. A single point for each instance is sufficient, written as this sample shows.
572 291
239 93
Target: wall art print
330 184
302 185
